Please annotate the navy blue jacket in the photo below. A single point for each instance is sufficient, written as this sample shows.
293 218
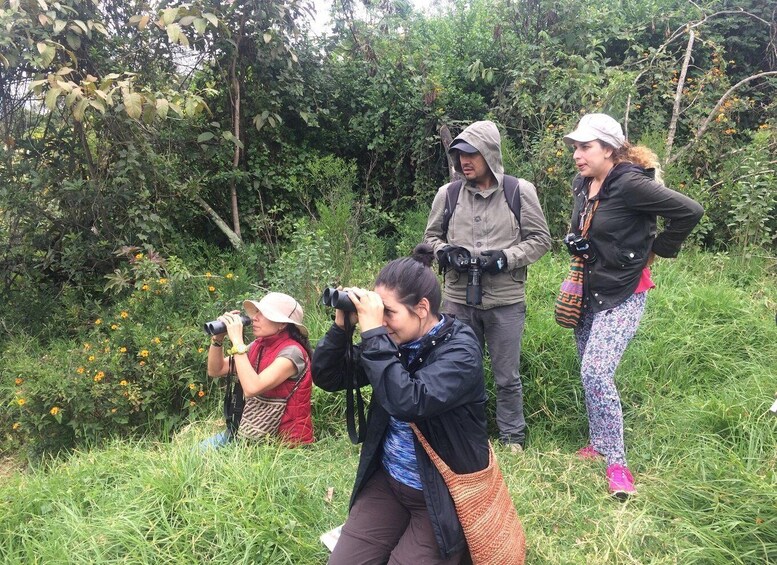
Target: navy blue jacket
623 230
442 392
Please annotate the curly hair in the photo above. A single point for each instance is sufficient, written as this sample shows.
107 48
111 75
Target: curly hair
637 154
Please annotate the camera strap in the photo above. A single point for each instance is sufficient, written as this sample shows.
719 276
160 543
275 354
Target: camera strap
234 401
354 403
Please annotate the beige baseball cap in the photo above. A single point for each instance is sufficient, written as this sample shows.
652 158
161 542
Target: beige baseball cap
597 126
278 307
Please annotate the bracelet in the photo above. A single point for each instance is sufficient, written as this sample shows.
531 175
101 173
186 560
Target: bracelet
217 343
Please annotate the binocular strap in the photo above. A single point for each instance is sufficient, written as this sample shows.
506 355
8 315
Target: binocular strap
354 403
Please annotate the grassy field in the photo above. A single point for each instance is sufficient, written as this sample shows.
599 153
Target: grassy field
696 385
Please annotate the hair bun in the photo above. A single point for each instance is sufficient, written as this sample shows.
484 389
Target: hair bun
424 254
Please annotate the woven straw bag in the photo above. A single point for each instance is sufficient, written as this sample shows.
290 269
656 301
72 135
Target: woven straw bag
491 525
261 417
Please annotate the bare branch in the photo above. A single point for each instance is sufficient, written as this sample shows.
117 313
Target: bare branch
679 93
705 124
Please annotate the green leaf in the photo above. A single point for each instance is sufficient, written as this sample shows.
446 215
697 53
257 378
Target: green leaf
206 136
133 104
200 24
169 15
78 109
59 25
211 18
51 98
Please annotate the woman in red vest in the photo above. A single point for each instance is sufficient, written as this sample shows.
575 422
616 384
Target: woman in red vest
276 365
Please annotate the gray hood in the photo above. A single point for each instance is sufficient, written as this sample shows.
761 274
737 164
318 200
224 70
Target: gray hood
484 136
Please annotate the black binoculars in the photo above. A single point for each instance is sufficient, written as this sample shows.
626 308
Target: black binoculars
474 274
218 327
580 246
337 299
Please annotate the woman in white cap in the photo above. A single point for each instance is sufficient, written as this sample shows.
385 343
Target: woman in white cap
617 200
276 365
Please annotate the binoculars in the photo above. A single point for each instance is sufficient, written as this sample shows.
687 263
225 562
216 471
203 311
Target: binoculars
337 299
581 247
218 327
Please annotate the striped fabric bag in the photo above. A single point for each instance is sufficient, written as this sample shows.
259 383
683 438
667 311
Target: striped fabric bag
569 302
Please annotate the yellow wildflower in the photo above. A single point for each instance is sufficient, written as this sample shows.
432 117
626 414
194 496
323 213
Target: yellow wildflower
21 401
192 386
144 287
97 322
99 376
54 411
212 288
156 340
114 327
163 281
124 314
229 275
143 353
208 275
200 349
90 358
122 383
113 410
18 381
122 350
80 370
139 256
87 346
201 393
16 425
142 363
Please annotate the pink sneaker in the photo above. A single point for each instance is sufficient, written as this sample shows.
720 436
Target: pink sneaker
588 452
621 481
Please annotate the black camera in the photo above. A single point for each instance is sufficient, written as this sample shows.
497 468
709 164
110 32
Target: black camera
580 247
218 327
337 299
474 274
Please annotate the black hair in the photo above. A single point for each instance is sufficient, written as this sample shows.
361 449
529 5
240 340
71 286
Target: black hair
296 335
412 279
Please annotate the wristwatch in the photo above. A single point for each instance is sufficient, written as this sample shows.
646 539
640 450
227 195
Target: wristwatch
241 349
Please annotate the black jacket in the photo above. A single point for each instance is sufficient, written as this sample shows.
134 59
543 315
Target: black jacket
442 391
623 230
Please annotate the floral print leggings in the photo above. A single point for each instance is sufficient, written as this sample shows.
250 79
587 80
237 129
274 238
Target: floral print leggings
602 338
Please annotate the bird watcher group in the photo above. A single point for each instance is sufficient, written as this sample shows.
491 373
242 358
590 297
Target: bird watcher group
427 323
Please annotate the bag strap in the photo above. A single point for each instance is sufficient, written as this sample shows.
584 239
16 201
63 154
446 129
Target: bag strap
299 382
441 465
587 216
512 193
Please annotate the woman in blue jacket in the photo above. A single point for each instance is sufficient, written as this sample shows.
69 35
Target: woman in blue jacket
423 367
617 196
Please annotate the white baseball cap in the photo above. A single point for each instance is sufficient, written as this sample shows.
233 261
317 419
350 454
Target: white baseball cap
597 126
278 307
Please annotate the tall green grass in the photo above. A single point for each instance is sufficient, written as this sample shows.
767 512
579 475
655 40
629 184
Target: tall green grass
696 384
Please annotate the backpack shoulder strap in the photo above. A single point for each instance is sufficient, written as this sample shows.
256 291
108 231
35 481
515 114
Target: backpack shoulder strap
512 190
451 200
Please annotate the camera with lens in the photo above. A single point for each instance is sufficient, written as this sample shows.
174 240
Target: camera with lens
474 274
218 327
338 299
580 247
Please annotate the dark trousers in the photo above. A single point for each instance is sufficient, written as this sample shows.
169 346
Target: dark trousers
500 329
388 523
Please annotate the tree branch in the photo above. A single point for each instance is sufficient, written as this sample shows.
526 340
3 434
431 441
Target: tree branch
234 239
705 124
679 94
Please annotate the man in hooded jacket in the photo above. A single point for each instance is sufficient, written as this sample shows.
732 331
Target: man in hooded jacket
483 225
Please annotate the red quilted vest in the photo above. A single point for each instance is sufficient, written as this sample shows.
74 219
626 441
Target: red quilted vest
296 424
